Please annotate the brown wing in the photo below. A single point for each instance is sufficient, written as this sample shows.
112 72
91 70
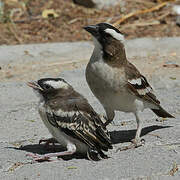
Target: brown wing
138 85
114 53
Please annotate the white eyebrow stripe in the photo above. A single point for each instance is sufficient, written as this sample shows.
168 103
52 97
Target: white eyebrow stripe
57 84
115 35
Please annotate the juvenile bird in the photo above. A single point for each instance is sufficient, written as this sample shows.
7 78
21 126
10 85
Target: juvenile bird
70 119
117 83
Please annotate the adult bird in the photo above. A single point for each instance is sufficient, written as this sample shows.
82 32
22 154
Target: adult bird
117 83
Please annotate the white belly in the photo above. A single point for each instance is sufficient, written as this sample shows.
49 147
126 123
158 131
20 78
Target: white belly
55 132
108 87
124 102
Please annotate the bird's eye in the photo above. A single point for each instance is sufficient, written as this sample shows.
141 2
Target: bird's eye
46 86
108 35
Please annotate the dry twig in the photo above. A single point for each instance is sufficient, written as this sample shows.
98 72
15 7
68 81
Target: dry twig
144 2
13 31
150 23
124 18
29 19
65 63
5 39
147 23
174 169
14 166
163 16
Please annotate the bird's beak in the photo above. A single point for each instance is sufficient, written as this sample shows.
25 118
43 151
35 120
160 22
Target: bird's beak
34 85
92 29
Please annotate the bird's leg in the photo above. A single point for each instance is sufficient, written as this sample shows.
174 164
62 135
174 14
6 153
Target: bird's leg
137 141
110 116
71 149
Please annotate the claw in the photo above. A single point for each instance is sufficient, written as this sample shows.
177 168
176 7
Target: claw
41 140
134 144
39 158
143 141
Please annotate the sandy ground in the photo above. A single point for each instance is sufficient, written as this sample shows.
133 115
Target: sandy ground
22 21
21 127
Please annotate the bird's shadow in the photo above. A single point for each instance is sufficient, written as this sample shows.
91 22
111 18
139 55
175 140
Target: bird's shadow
116 137
41 149
123 136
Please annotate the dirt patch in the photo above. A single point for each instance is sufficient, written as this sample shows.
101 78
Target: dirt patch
23 21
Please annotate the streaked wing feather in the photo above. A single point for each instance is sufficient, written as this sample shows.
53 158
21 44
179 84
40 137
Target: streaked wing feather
145 92
82 127
139 86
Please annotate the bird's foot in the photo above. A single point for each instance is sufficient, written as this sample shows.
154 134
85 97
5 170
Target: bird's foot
39 158
47 157
135 143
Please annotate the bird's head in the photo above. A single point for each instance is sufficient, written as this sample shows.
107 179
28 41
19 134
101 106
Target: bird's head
104 33
50 87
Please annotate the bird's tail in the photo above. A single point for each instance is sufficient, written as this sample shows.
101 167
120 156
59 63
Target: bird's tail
96 155
162 113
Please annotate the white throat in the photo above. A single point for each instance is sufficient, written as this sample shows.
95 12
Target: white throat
39 95
97 44
98 52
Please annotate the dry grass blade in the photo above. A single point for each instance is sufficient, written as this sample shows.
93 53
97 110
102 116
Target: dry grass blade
29 19
6 40
151 23
160 1
28 26
14 166
144 2
173 170
163 16
124 18
64 63
13 31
